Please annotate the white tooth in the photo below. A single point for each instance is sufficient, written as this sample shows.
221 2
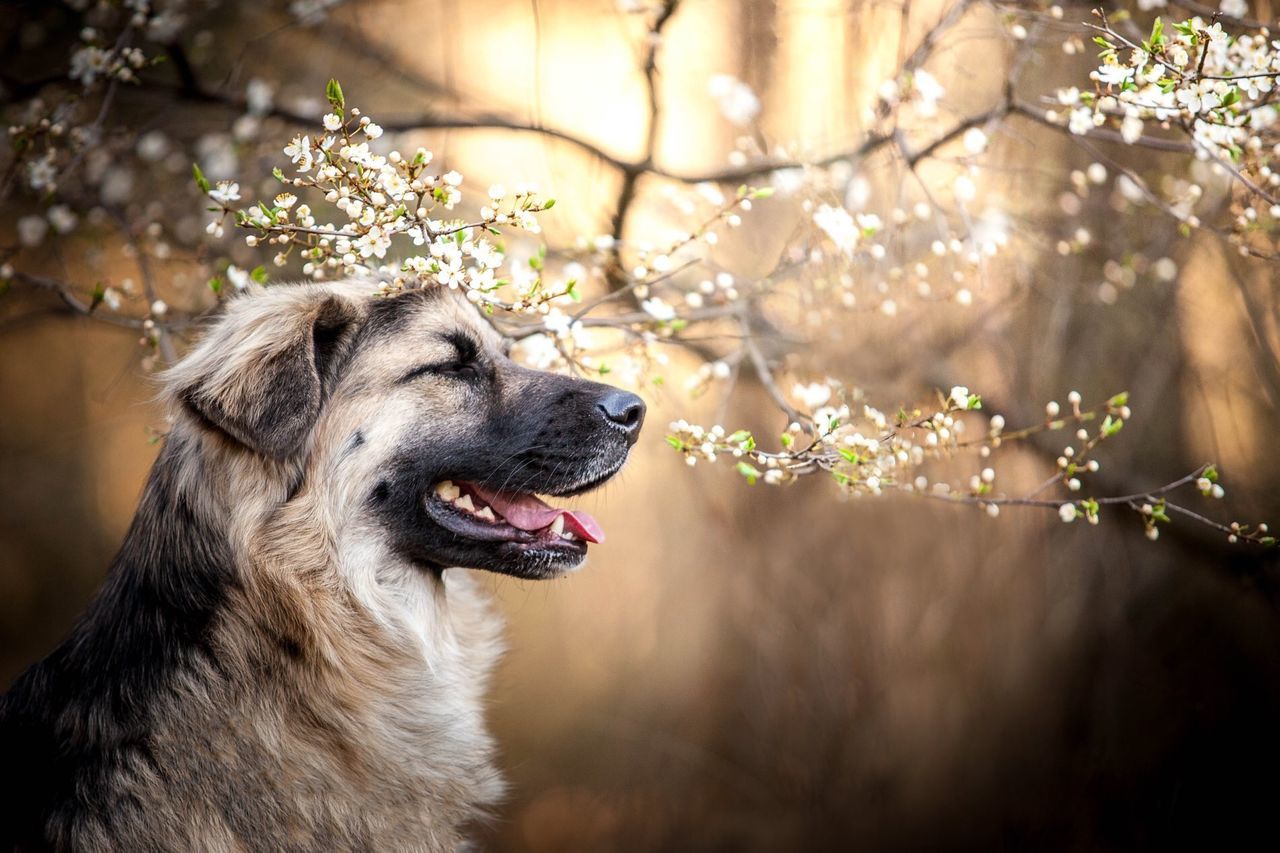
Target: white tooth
447 490
568 535
557 526
464 502
486 514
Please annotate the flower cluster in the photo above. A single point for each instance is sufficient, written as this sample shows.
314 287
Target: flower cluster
863 449
948 270
93 62
57 132
388 199
382 197
867 452
1197 79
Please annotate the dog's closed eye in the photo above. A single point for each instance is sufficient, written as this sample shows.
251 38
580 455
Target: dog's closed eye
465 363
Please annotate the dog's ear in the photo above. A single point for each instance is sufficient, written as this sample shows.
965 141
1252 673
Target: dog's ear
261 373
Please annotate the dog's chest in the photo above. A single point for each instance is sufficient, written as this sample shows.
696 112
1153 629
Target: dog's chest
385 749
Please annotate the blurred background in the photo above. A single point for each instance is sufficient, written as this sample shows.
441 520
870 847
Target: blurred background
746 668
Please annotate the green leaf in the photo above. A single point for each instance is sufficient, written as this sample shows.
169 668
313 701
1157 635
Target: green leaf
739 436
1211 474
215 284
201 181
1158 512
762 192
749 471
278 174
849 455
572 289
1119 400
259 274
99 293
548 204
675 442
333 92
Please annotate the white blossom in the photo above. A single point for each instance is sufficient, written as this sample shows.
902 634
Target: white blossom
839 225
975 141
31 230
659 310
928 91
225 192
259 96
812 396
737 102
62 218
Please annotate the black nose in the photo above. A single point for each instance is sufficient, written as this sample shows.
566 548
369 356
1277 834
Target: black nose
623 410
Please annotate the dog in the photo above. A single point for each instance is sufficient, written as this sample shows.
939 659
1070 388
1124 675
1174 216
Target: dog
285 654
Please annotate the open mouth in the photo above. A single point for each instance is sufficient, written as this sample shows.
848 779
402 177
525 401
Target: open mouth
474 512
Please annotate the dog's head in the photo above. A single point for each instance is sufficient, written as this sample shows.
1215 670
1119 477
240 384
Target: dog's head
409 417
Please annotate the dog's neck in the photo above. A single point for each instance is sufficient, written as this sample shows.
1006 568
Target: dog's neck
303 647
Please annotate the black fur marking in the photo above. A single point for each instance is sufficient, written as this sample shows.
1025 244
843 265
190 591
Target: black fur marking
468 349
72 721
390 314
295 485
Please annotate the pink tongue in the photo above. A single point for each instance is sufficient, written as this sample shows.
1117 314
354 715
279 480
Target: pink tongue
527 512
